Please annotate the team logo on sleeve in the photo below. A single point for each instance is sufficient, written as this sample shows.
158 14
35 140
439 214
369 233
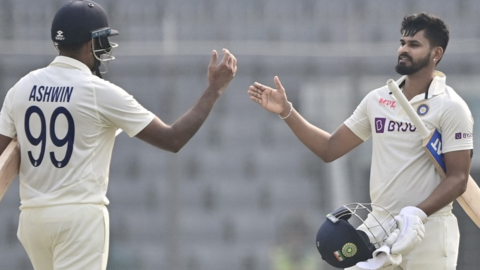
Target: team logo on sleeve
422 109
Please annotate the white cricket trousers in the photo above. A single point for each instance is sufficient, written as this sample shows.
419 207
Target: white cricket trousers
439 248
66 237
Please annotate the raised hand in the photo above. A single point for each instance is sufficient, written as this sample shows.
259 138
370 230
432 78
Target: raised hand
273 100
219 76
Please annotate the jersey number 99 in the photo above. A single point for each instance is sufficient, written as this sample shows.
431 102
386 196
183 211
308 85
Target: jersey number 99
42 137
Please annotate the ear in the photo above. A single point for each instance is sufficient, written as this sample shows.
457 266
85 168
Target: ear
437 54
88 47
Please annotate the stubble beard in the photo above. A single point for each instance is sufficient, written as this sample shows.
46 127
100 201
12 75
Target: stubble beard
403 69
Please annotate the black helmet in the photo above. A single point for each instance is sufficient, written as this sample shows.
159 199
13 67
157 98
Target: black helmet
342 245
78 21
82 20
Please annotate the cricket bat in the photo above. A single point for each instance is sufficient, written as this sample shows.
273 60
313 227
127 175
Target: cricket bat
432 142
9 165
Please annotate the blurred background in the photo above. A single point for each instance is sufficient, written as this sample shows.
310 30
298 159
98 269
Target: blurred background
244 194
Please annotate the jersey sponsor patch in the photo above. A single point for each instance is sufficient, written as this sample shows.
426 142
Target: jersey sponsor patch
382 125
387 103
460 135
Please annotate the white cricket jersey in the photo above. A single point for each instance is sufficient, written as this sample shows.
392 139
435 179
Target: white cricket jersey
401 172
65 119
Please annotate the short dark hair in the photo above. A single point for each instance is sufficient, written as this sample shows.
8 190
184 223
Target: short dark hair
436 31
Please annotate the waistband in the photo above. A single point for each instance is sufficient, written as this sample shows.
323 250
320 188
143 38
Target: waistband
441 213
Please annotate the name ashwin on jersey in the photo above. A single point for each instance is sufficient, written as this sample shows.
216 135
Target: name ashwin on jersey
51 93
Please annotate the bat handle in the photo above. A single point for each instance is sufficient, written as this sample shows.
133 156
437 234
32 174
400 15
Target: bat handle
393 87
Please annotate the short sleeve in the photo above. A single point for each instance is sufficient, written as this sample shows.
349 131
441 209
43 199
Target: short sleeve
456 126
122 110
359 122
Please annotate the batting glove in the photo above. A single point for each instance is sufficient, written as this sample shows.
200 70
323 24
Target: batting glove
410 223
382 258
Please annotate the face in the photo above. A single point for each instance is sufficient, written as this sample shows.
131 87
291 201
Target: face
414 54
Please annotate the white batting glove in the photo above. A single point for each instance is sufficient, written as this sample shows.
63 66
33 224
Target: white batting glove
382 258
410 223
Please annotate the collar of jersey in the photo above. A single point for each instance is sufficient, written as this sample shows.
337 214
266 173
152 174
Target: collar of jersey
437 86
64 60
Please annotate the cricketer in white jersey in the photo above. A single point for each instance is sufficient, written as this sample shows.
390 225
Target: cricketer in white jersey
65 118
69 117
403 179
402 174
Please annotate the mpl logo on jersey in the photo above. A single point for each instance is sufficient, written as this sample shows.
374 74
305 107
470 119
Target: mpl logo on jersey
382 125
387 103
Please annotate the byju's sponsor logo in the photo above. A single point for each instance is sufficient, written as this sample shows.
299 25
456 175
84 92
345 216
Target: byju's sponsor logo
380 124
392 126
401 126
387 103
460 135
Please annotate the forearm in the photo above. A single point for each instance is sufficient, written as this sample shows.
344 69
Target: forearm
312 137
4 141
457 165
182 130
327 146
449 190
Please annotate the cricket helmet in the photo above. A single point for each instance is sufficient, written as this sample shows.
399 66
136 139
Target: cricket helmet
342 245
81 20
